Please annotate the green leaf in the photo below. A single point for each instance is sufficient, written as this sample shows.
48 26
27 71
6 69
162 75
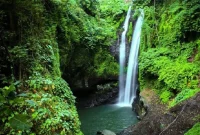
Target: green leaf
16 83
34 115
7 90
2 99
31 102
20 122
22 95
12 87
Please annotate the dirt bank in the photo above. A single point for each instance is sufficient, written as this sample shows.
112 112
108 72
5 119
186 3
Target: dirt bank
160 121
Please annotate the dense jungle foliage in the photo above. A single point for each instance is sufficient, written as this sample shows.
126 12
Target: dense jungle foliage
169 58
42 41
170 48
46 43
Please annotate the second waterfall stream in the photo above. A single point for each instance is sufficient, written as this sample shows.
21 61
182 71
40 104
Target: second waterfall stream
128 83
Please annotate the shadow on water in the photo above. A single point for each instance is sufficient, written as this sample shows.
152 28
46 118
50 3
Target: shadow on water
111 117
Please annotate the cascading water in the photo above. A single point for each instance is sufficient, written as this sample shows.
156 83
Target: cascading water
123 55
127 94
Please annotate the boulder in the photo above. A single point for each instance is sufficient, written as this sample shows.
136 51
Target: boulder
105 132
140 107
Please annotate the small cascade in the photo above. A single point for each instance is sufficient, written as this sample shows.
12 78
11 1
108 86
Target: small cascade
123 55
127 94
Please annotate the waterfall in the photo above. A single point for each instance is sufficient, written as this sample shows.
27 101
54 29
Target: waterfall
127 94
122 55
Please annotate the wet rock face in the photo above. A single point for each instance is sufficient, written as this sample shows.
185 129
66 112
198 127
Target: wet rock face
114 49
159 121
140 107
97 99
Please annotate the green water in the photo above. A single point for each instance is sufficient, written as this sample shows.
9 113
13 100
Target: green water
109 117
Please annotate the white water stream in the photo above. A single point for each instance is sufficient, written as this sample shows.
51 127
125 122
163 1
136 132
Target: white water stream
128 89
122 55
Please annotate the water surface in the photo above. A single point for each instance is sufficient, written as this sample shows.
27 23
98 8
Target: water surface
111 117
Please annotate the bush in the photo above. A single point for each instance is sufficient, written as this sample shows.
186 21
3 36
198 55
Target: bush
169 50
105 64
183 95
165 96
46 107
195 130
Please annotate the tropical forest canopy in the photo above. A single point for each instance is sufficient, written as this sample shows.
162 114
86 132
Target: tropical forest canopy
46 43
42 41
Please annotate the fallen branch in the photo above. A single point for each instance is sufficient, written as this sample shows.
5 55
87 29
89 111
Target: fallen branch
173 120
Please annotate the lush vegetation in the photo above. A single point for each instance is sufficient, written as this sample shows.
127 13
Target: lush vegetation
85 43
42 41
169 51
46 43
33 97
